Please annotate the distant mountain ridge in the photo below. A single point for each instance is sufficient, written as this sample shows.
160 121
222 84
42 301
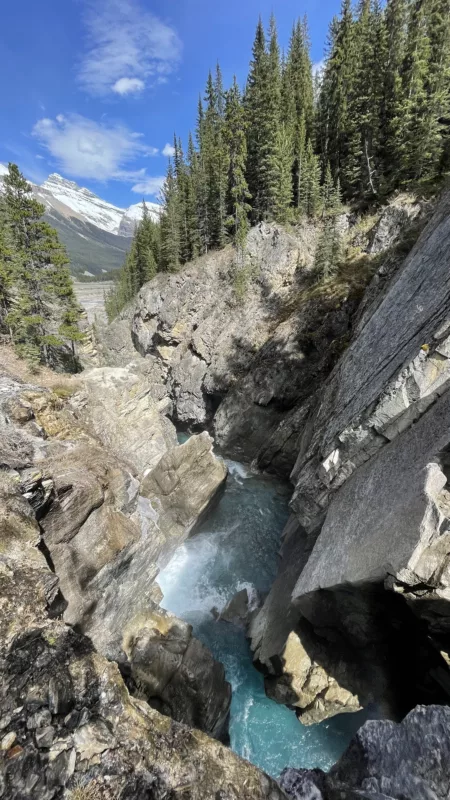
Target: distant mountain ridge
96 233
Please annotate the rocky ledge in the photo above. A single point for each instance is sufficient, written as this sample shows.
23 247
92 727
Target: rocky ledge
385 761
68 726
113 496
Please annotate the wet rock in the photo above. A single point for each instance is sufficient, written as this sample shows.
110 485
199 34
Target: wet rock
239 609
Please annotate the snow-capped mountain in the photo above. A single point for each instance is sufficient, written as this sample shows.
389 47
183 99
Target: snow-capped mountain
91 208
96 233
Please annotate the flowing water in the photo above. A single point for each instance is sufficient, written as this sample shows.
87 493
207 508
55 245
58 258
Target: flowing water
237 547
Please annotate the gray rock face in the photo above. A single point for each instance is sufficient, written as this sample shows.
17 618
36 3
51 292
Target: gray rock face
385 760
118 406
177 674
106 535
370 499
206 339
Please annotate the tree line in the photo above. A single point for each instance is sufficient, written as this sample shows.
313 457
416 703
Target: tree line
39 313
297 140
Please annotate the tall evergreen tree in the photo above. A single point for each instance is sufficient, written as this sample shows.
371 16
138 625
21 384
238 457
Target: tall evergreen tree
396 19
44 315
238 193
255 97
170 230
337 89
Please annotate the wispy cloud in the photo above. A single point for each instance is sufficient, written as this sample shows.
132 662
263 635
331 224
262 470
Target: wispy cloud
128 86
83 148
168 150
127 46
149 186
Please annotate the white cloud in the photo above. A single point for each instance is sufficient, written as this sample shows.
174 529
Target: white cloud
318 67
128 86
125 43
149 186
87 149
169 150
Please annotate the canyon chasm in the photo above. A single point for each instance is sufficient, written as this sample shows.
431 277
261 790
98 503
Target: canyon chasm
276 576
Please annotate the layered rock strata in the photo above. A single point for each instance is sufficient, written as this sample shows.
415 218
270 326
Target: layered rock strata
112 509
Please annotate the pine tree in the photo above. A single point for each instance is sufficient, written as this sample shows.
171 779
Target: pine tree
413 130
336 126
276 143
238 194
396 18
8 269
310 185
44 315
255 97
170 232
436 123
145 250
193 204
283 190
200 181
214 157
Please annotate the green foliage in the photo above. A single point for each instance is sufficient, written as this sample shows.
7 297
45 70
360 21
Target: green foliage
38 307
141 265
375 120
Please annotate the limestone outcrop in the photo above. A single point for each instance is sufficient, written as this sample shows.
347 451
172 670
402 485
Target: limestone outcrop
368 540
385 760
68 726
106 533
206 339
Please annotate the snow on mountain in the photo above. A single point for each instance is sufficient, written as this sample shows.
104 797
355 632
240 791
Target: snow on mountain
85 203
133 214
96 233
69 199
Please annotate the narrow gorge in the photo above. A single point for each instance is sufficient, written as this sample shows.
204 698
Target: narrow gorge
227 538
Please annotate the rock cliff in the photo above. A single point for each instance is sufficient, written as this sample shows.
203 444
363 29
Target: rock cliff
68 726
114 497
368 539
343 387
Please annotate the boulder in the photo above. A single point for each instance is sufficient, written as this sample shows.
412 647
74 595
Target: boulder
385 760
118 407
175 672
239 610
182 487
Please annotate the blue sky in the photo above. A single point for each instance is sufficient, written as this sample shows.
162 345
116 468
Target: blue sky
94 89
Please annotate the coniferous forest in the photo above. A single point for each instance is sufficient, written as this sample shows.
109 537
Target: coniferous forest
39 313
293 144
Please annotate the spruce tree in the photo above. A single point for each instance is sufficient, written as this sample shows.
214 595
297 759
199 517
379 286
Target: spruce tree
170 231
310 185
145 250
238 194
44 315
337 89
414 127
255 97
396 19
